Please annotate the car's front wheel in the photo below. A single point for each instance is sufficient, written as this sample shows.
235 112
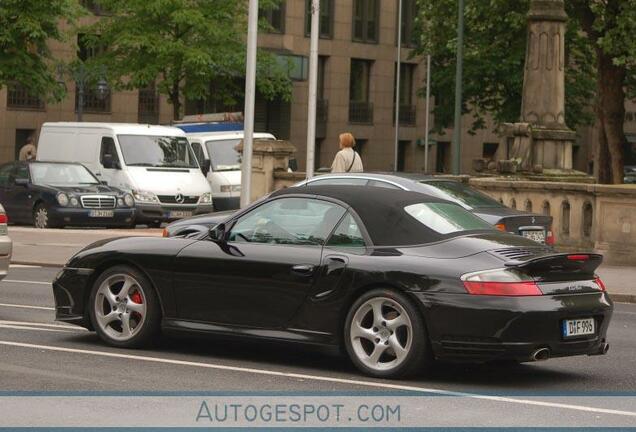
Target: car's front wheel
124 308
385 336
42 217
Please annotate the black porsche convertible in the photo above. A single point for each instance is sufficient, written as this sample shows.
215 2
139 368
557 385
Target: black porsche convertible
397 278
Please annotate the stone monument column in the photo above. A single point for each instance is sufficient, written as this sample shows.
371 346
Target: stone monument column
543 103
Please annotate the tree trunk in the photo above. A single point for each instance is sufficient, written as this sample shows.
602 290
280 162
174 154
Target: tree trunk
175 100
611 113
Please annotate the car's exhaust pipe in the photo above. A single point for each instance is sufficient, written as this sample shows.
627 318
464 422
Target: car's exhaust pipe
603 349
540 355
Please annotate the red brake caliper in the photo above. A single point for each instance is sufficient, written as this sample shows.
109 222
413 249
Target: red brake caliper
136 297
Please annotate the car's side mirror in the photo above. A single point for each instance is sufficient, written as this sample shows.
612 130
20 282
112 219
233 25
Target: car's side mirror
205 166
104 182
21 182
217 233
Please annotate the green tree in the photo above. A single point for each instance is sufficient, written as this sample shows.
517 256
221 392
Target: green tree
26 28
183 46
600 51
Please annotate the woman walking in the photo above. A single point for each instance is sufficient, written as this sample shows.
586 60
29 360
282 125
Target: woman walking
347 159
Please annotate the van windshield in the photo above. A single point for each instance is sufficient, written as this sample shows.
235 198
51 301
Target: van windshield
157 151
223 156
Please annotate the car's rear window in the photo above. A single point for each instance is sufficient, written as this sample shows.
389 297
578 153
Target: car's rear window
446 218
466 195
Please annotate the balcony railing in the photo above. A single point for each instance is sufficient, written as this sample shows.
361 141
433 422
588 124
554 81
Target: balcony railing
360 112
408 115
19 97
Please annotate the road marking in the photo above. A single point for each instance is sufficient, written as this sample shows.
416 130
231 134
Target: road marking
361 383
26 282
40 324
26 306
23 266
19 327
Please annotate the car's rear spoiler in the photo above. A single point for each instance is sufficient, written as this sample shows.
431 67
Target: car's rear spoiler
553 265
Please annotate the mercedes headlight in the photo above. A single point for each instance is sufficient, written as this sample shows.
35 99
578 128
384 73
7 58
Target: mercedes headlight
145 196
62 199
206 198
129 200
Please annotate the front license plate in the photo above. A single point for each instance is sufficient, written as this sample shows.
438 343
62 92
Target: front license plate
179 214
579 327
538 236
101 213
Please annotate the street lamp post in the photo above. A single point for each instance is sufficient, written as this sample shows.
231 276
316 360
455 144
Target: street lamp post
457 133
313 88
398 71
83 78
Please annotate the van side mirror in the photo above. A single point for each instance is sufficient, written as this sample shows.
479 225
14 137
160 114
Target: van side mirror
205 166
109 163
217 233
21 182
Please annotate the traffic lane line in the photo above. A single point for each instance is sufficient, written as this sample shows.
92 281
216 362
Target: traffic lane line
335 380
26 282
41 324
19 306
24 327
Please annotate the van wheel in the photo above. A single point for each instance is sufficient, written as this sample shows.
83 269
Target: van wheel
41 217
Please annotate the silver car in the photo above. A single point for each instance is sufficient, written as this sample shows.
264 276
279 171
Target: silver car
6 245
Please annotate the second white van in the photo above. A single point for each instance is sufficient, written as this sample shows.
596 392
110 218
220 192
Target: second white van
155 163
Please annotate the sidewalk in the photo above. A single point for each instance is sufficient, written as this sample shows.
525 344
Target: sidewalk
53 247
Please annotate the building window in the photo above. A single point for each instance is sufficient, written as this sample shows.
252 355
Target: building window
489 151
275 17
326 18
148 105
366 20
588 219
19 97
407 107
409 12
93 101
360 108
565 218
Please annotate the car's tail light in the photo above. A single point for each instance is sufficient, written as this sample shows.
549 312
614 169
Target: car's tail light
501 227
3 218
164 233
500 282
580 257
599 282
549 237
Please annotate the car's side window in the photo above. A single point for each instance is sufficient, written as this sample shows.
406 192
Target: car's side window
377 183
22 172
5 174
339 181
108 151
293 221
198 151
347 234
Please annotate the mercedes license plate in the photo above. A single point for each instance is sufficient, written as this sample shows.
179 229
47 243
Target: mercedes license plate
579 327
101 213
538 236
177 214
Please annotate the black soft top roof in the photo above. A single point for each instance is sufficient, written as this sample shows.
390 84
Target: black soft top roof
381 210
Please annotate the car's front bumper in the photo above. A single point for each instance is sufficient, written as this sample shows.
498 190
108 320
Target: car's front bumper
484 328
157 213
74 216
70 292
6 247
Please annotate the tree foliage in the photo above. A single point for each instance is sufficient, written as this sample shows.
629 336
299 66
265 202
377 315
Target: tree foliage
183 46
26 29
494 56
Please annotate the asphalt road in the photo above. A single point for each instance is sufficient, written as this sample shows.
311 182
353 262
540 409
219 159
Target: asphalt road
39 354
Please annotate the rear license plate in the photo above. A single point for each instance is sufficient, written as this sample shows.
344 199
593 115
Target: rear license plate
579 327
538 236
179 214
101 213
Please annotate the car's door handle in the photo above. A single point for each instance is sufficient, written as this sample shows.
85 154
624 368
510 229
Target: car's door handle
303 269
337 259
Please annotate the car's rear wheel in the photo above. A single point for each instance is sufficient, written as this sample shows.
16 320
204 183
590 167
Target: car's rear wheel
124 308
385 336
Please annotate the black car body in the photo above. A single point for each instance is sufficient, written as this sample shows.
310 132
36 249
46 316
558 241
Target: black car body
424 259
535 226
56 194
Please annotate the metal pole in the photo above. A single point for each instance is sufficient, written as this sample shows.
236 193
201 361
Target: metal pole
80 100
428 110
313 87
397 85
250 96
457 132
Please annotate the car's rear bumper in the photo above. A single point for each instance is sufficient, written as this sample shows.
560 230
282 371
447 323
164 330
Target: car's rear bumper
483 328
71 216
6 248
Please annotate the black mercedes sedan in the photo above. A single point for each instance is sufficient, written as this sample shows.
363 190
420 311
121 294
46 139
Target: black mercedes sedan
57 194
396 278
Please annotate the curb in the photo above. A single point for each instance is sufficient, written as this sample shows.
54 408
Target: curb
623 298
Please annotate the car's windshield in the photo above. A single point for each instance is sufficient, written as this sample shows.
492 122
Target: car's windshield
456 191
223 156
157 151
61 174
446 218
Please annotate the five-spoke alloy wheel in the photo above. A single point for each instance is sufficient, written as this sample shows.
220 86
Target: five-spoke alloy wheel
125 311
384 335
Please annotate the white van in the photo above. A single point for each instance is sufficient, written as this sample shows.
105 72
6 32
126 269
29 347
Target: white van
225 164
155 163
